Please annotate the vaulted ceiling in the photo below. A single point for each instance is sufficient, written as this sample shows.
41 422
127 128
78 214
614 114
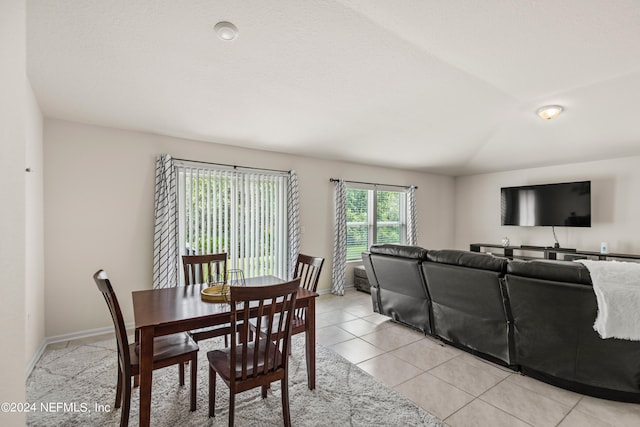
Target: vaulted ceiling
433 85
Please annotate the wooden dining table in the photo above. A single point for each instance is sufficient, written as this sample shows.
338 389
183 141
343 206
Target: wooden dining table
167 311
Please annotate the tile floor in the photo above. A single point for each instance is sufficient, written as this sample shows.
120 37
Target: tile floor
458 388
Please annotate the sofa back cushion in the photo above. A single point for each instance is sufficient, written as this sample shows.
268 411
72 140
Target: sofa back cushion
404 251
468 303
555 271
400 289
468 259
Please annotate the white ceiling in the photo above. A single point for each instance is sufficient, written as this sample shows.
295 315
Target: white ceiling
433 85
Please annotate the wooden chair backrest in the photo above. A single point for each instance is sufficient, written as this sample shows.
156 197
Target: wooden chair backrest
255 302
210 268
104 285
308 270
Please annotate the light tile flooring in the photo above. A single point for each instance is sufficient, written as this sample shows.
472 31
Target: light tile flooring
458 388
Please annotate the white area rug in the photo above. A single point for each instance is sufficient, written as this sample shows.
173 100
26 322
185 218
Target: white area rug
73 380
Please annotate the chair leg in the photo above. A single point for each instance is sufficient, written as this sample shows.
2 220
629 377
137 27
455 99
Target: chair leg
264 391
194 375
126 404
232 407
181 373
286 415
212 392
136 381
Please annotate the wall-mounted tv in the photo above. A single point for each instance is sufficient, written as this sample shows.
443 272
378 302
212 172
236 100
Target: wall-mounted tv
566 204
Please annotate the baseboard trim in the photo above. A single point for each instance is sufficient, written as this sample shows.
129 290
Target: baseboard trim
84 334
69 337
36 356
328 291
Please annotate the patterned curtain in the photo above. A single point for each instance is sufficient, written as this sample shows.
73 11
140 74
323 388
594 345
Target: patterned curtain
165 243
340 239
293 215
412 225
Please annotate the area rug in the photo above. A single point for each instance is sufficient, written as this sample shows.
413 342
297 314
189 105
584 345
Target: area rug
75 386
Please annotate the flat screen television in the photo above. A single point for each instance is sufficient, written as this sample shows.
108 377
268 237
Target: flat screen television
566 204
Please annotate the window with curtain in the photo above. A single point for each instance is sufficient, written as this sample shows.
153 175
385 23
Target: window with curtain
374 215
243 213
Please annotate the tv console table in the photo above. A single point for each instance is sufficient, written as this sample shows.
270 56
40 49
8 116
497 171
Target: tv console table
548 252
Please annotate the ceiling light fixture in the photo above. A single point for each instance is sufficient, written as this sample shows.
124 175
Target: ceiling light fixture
226 30
549 112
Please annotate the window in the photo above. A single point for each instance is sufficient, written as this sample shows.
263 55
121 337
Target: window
374 215
241 213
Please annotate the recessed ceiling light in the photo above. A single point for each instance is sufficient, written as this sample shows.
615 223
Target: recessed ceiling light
226 30
549 112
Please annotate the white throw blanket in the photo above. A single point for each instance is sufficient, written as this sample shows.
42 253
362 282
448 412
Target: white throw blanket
617 288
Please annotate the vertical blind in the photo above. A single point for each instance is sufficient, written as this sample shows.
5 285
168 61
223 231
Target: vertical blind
242 213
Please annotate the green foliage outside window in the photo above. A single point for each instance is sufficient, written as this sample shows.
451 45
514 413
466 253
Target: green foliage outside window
357 222
388 216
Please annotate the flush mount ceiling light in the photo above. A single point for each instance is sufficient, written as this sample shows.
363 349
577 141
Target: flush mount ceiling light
549 112
226 30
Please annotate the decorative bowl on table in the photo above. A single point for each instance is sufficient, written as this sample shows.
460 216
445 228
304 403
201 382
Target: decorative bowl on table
215 293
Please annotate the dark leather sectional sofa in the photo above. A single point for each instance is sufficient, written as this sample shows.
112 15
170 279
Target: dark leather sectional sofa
533 316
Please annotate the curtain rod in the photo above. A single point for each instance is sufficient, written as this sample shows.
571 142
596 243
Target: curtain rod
228 165
373 183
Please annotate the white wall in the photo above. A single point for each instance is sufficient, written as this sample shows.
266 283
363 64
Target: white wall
21 263
34 231
99 187
615 216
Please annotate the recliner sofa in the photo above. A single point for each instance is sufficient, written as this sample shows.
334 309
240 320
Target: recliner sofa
467 302
554 307
402 296
532 316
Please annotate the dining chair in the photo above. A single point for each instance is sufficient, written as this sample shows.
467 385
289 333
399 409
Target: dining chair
308 270
256 360
206 269
168 350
